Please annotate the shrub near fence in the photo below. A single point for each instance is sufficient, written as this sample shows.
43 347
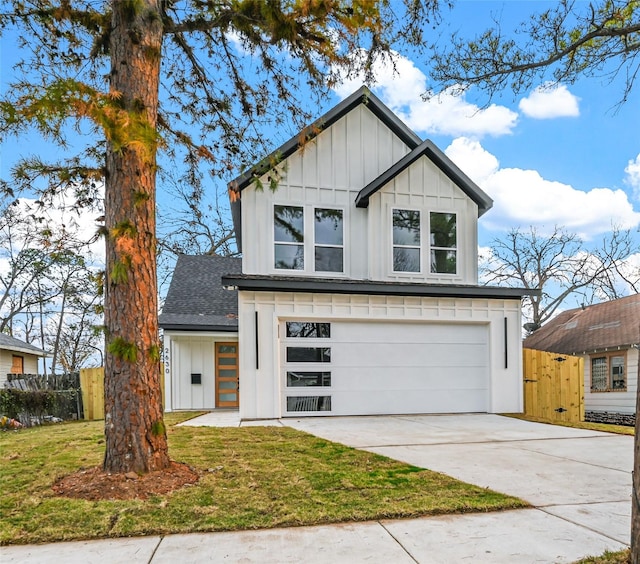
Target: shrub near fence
36 398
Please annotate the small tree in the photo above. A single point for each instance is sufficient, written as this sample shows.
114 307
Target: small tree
558 264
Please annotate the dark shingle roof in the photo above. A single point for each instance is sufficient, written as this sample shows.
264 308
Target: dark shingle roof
196 299
13 344
597 327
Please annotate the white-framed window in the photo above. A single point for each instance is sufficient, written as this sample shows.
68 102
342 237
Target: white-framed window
406 240
288 236
328 230
324 250
443 242
608 372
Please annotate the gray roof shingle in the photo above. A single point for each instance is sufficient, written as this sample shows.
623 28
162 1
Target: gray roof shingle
597 327
196 299
13 344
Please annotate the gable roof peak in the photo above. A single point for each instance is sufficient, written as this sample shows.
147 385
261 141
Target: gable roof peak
363 96
428 149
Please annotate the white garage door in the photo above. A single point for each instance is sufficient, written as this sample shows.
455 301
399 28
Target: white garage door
364 368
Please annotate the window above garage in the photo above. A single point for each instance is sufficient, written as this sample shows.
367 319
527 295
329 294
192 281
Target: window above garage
325 245
407 242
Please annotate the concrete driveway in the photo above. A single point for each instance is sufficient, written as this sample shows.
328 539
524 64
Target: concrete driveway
583 477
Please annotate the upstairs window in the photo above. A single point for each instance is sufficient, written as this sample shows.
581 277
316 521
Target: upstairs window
443 240
329 240
406 241
288 234
608 373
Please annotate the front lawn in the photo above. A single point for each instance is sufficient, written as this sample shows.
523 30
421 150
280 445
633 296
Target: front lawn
251 477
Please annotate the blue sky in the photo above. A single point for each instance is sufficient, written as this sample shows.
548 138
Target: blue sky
567 157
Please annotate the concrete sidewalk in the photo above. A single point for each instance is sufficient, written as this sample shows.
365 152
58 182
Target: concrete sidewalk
509 537
579 482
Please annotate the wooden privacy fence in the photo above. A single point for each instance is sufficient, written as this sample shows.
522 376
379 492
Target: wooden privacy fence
92 386
553 386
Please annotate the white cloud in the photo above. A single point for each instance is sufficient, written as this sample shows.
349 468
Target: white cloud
523 198
401 85
476 162
550 101
633 176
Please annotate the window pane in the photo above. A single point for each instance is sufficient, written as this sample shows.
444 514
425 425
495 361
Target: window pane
328 227
443 229
228 397
303 379
617 373
406 260
231 385
328 259
308 329
443 262
228 361
290 257
598 374
227 348
309 403
288 224
308 354
406 227
227 373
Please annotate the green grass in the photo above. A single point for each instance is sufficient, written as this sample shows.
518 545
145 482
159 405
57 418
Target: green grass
605 427
620 557
251 477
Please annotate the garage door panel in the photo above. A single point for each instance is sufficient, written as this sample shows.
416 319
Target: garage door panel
406 332
399 355
394 368
408 378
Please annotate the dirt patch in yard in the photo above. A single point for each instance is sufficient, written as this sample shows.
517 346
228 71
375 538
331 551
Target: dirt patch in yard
94 484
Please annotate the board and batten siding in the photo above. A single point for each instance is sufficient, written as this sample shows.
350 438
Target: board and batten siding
616 402
261 381
329 171
423 186
186 353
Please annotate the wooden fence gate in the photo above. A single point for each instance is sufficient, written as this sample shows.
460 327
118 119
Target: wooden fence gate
553 386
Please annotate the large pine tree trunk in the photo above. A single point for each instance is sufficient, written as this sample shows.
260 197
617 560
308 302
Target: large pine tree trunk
135 435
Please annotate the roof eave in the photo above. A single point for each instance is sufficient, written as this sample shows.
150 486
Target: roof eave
193 327
444 163
373 288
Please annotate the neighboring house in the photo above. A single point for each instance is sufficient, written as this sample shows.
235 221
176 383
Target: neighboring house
17 357
607 336
358 292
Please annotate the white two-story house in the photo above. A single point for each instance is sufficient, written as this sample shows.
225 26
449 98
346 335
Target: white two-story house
357 292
